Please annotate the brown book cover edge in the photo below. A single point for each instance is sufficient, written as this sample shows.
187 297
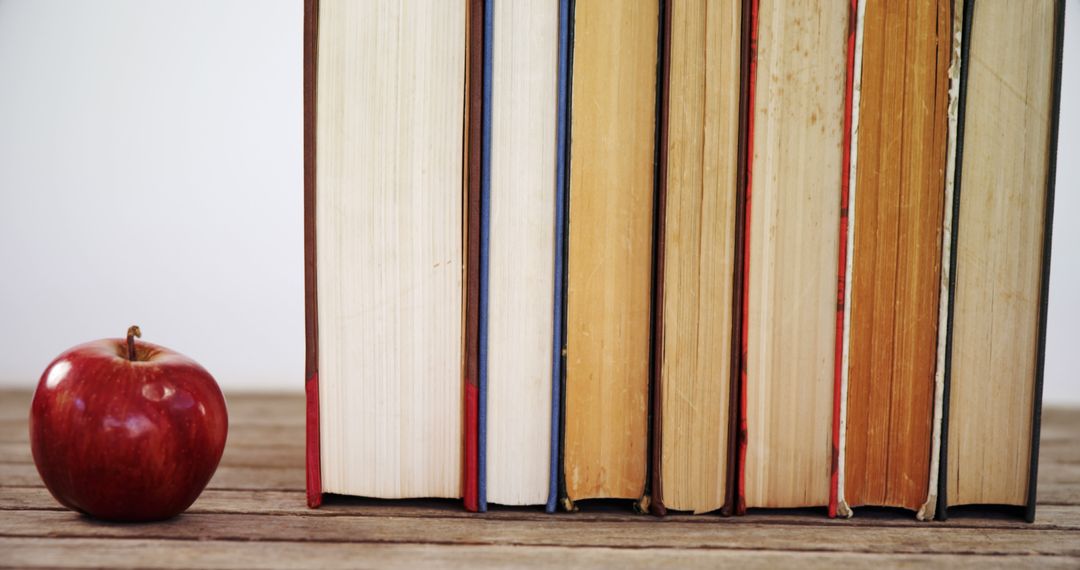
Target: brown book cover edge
473 116
311 311
746 142
656 490
737 435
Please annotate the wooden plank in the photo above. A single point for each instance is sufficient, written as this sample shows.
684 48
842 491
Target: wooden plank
924 539
1065 419
1059 483
15 403
1059 451
1058 494
254 515
293 503
44 552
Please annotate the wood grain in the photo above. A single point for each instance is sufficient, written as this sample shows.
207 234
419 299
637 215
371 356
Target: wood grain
275 503
252 524
139 553
896 264
610 250
564 532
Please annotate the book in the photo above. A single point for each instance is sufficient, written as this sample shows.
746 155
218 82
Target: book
895 212
384 232
700 175
798 113
520 207
700 256
1000 254
609 273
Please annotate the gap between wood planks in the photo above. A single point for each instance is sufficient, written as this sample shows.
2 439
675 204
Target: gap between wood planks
596 534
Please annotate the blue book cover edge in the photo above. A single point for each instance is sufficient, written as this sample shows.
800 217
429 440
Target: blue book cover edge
485 225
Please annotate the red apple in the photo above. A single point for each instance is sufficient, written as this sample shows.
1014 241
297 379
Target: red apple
127 430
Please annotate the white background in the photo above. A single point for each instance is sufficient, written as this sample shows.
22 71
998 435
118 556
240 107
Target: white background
151 173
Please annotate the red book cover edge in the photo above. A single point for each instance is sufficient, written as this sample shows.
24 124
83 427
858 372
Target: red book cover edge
740 499
311 384
841 269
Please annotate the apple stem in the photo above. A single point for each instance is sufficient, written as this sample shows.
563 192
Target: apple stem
133 331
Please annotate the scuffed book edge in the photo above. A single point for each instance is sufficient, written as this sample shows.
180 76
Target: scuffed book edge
940 511
929 508
837 504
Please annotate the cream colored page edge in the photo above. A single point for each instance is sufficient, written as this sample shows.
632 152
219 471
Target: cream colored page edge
445 482
516 404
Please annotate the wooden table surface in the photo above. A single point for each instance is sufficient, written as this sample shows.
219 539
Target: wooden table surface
253 514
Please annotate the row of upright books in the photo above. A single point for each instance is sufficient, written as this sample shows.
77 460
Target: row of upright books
697 255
